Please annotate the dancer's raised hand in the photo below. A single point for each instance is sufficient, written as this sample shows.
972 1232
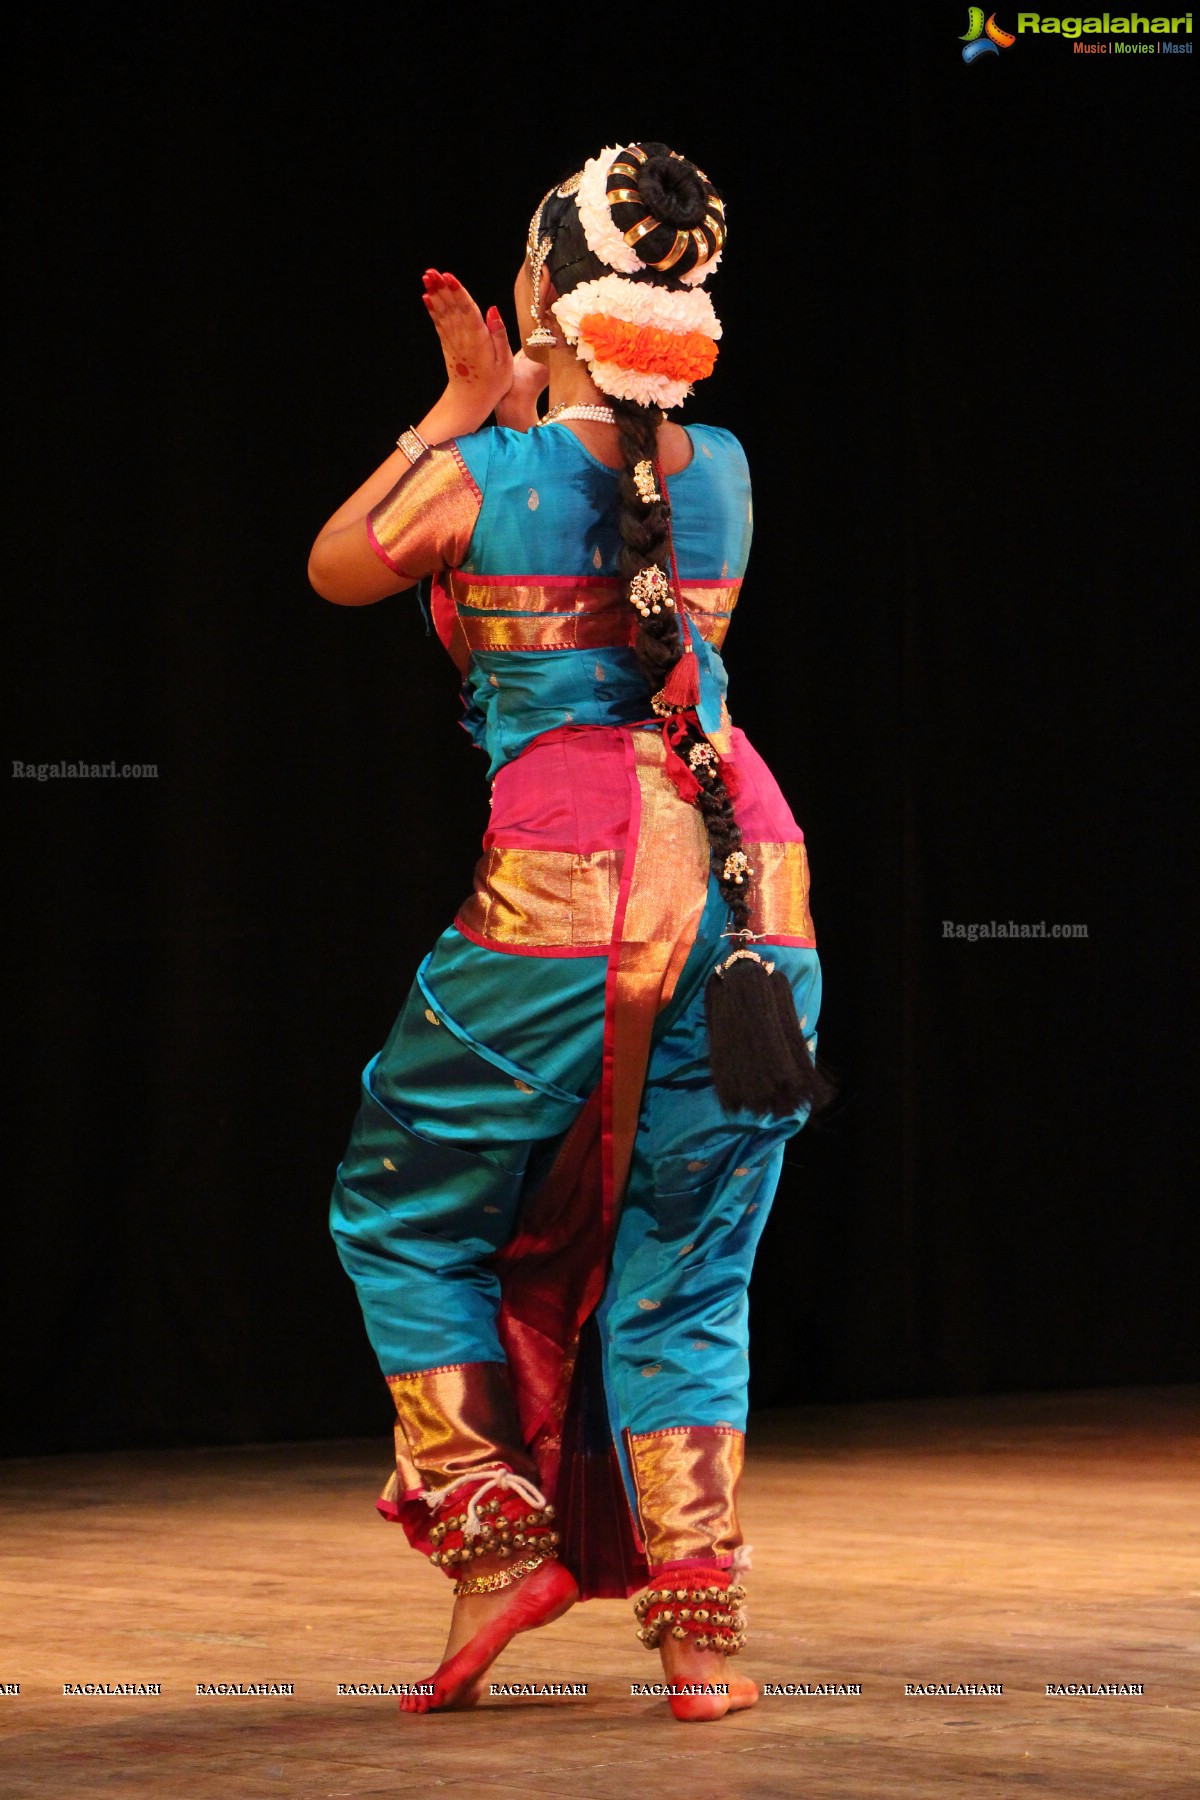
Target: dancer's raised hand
479 362
342 565
518 409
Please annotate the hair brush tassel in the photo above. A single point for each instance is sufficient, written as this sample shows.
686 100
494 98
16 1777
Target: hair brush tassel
759 1059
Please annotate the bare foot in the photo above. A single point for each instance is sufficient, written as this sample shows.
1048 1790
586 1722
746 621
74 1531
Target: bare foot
483 1624
685 1666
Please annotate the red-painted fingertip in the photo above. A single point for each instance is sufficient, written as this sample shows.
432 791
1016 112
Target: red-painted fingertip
493 318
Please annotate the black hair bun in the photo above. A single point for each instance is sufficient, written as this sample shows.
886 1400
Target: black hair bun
673 192
666 209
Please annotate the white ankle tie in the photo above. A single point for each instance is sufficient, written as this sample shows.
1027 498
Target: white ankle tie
503 1477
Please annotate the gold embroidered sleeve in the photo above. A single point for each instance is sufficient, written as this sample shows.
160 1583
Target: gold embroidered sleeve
426 522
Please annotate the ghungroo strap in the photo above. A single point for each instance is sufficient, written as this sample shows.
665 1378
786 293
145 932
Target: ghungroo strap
708 1611
514 1518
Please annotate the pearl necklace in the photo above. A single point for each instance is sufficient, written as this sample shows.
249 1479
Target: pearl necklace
604 415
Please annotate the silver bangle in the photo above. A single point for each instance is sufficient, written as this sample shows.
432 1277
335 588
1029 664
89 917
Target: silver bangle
412 444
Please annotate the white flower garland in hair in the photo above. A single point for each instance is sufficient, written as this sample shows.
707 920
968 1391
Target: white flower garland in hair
595 215
702 271
629 384
637 303
599 230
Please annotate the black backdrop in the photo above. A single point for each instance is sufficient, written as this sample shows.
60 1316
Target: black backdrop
958 348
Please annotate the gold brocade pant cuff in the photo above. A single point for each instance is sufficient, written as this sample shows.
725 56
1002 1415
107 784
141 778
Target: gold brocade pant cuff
458 1446
686 1480
452 1422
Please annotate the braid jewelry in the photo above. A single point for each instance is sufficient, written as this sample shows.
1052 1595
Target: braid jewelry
650 591
643 481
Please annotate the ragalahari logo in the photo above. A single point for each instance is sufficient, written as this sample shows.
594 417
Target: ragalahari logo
982 39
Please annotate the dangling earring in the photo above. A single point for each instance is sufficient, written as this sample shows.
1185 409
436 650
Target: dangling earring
541 333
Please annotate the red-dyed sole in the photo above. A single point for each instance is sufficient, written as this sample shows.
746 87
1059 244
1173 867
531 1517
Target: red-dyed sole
699 1709
539 1599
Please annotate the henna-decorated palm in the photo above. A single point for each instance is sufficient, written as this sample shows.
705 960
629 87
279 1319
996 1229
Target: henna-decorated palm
479 361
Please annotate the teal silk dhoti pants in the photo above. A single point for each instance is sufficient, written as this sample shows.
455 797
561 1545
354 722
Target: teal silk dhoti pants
463 1112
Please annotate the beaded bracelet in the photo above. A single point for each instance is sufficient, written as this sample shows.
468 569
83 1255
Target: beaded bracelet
412 444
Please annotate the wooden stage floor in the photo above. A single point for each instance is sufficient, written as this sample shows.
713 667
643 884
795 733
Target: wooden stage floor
1025 1541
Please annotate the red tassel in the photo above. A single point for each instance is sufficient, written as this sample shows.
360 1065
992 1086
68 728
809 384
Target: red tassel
682 687
686 784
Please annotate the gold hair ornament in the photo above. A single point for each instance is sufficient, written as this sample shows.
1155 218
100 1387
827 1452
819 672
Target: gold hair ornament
643 480
539 247
751 956
650 591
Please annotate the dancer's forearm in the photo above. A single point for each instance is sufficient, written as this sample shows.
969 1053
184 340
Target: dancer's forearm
455 414
342 565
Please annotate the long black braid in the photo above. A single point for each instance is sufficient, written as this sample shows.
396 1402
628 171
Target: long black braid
760 1061
646 543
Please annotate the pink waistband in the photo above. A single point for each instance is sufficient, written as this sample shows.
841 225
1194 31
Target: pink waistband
569 790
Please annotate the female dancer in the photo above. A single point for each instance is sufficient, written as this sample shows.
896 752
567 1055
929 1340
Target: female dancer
567 1148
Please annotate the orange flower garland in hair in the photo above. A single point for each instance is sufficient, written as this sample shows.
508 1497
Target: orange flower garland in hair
640 341
682 356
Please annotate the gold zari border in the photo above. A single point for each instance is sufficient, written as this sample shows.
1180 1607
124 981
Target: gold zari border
533 596
779 896
662 914
544 899
427 519
532 615
452 1420
572 631
686 1481
561 899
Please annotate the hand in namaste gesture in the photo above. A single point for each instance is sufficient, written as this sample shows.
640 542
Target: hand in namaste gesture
479 361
